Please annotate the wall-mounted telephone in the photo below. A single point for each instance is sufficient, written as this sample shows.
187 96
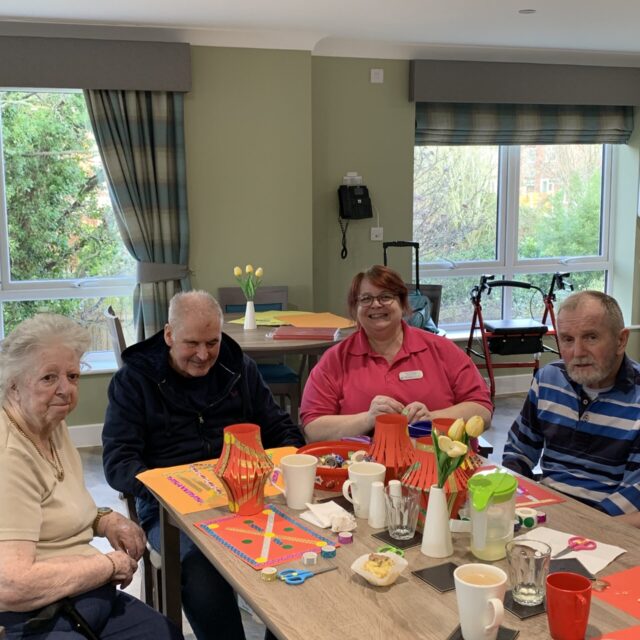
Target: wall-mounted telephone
355 202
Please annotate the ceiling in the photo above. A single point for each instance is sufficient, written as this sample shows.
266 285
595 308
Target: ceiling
574 31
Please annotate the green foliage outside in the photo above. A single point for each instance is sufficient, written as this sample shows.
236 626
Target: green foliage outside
455 219
61 225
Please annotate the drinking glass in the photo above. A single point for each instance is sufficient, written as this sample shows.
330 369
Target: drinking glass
528 562
402 506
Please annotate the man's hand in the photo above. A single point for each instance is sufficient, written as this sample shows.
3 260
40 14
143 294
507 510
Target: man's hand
123 534
383 404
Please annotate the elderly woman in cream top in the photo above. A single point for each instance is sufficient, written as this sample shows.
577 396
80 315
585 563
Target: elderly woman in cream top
48 517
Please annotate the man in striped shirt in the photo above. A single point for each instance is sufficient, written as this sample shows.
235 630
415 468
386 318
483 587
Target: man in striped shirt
581 418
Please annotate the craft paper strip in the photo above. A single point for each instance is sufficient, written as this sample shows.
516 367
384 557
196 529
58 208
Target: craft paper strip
266 539
194 487
316 320
623 592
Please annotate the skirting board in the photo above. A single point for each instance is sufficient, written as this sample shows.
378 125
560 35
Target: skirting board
90 435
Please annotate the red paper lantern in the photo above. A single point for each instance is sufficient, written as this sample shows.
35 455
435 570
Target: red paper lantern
391 444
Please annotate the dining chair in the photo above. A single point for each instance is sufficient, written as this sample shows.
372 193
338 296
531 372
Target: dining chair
151 560
283 381
118 343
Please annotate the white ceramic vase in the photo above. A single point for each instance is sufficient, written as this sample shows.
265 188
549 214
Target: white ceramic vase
436 539
250 316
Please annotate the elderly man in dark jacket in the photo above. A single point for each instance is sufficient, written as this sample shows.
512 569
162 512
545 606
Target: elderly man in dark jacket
168 405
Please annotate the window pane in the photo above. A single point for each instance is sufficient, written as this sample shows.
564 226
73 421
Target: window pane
59 214
86 311
456 304
455 203
560 201
527 303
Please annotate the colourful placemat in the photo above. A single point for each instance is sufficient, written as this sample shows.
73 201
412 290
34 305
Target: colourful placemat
194 487
623 592
266 539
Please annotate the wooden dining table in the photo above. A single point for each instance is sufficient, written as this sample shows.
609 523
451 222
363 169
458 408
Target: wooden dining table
342 604
256 343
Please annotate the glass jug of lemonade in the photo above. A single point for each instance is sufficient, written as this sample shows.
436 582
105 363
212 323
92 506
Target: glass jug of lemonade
492 501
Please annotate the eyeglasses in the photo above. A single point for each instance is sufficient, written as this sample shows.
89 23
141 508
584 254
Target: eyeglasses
384 299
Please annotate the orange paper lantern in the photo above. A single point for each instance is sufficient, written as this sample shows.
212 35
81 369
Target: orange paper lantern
391 445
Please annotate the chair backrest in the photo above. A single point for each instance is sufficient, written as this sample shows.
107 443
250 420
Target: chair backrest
434 293
274 298
118 343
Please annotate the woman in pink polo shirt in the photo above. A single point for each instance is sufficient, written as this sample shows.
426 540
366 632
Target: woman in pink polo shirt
388 367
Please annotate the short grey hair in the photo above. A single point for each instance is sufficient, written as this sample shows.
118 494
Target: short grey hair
30 337
610 306
196 302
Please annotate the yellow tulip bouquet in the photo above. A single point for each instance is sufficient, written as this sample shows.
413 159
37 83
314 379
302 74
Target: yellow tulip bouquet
249 280
451 449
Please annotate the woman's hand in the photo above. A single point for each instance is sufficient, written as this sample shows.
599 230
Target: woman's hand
123 534
416 411
125 566
380 405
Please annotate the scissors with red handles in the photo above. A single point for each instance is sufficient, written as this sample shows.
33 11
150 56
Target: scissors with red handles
577 543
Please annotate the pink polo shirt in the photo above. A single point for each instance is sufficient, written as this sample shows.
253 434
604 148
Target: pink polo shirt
428 369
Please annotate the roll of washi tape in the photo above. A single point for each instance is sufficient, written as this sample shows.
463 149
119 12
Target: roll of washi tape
328 551
345 537
528 517
309 558
516 526
542 517
269 574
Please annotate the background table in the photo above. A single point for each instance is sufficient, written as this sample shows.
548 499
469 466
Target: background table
342 604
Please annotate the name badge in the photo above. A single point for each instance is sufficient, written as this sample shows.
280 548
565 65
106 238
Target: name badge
410 375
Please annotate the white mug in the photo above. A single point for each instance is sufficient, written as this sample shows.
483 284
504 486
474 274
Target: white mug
357 489
480 592
299 472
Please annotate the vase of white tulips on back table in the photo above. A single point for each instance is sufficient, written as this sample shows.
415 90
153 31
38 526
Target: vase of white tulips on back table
450 451
249 282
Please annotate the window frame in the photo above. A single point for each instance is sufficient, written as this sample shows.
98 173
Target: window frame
31 290
507 265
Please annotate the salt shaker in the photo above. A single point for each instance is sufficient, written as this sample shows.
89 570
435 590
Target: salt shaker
377 513
395 489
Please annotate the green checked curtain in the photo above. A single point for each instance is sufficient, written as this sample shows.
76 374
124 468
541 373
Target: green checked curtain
140 136
440 123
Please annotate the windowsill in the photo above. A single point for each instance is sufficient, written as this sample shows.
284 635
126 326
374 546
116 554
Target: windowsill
99 362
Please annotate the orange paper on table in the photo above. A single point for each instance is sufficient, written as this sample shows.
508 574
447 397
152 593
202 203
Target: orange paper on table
329 320
632 633
623 592
194 487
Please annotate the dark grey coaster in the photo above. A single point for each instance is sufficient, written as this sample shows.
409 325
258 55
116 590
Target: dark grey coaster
439 577
398 544
572 565
503 634
520 610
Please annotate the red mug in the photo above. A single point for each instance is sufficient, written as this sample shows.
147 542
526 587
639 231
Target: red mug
568 602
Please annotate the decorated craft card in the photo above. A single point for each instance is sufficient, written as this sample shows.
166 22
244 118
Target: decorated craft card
266 539
623 592
194 487
632 633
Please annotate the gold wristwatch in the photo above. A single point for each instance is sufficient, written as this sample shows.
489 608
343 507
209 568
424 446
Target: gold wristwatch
102 512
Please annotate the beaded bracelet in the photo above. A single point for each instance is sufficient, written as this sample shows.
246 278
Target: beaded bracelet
113 564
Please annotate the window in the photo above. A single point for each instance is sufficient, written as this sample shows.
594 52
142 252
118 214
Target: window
519 212
60 249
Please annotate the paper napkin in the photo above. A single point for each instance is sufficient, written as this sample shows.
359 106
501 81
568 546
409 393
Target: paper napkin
594 560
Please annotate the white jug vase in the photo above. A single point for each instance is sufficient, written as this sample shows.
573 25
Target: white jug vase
250 316
436 539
